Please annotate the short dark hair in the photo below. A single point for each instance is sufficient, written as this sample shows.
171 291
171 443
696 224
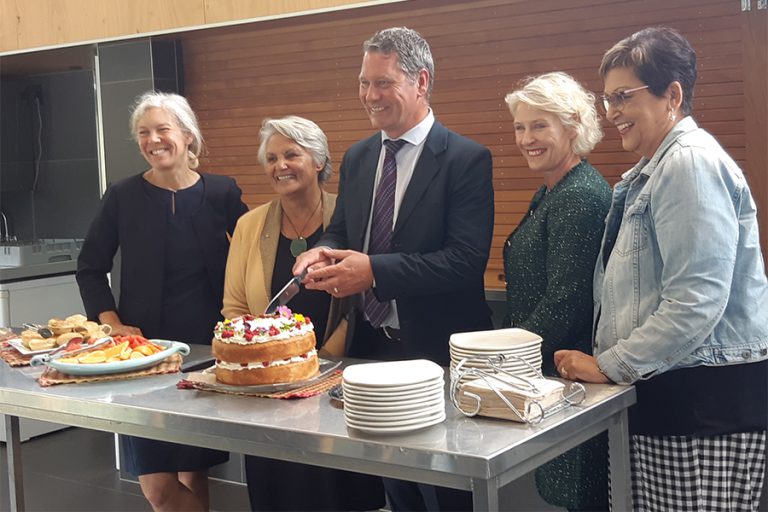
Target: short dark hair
658 56
412 50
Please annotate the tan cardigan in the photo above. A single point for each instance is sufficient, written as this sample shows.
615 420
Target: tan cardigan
251 261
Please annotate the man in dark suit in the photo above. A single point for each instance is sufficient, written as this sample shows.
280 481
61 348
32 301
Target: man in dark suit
419 278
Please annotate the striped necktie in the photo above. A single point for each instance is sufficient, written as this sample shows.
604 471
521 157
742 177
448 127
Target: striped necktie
380 240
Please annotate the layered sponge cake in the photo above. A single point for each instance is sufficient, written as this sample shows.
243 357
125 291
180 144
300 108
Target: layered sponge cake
265 349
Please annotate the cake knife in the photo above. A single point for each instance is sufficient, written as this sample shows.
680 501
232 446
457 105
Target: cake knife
288 291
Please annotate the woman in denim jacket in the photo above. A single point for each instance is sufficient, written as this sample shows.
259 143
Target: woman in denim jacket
681 298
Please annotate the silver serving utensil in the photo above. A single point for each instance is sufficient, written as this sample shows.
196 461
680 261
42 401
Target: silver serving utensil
42 359
287 292
336 393
39 329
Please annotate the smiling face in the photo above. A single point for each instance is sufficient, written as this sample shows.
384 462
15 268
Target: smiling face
644 119
544 142
290 167
393 102
161 142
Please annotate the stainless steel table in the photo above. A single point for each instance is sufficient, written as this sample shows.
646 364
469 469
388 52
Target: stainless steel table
476 454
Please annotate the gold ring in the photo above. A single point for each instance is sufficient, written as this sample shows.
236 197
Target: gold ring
335 290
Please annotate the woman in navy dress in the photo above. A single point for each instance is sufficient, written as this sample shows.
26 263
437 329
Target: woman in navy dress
172 226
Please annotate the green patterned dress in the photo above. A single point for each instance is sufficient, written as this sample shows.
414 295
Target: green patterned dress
548 264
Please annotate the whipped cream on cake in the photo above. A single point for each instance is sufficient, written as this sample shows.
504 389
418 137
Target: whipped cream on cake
265 349
260 329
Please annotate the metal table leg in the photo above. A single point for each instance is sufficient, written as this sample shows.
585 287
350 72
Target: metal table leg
618 462
485 494
13 461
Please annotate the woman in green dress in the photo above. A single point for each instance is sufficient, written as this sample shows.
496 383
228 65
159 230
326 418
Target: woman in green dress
550 256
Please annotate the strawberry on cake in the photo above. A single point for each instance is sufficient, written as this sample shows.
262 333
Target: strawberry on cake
265 349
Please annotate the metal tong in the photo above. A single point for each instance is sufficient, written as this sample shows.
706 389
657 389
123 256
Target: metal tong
42 330
42 359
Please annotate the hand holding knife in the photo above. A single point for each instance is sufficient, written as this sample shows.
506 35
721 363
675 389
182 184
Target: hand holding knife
285 294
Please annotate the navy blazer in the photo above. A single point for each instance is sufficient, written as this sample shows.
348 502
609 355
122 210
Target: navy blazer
129 219
441 239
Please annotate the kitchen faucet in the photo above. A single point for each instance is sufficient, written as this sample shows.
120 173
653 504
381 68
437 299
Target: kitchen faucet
5 236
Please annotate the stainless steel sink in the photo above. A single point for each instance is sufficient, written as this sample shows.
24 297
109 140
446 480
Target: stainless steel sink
37 253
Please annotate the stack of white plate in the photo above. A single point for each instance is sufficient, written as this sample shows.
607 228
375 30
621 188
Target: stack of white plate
518 347
393 397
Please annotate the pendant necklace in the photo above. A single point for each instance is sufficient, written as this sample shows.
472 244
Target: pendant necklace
299 245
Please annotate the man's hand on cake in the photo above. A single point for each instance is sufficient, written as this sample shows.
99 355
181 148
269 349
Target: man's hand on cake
312 259
351 274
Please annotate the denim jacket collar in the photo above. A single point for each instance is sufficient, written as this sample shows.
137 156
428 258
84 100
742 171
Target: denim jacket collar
646 166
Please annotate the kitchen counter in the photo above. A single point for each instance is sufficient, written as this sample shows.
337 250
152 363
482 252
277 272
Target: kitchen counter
26 272
495 294
477 454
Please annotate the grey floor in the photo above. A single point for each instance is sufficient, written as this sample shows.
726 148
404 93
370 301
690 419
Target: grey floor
74 470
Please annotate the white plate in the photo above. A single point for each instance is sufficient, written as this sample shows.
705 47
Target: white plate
19 346
378 408
369 417
326 367
507 362
395 422
406 395
500 349
497 340
129 365
533 350
394 389
392 373
507 367
367 405
375 401
487 369
396 429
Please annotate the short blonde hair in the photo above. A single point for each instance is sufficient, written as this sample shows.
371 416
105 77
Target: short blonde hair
560 94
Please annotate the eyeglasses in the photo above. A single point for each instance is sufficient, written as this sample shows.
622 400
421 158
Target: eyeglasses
618 99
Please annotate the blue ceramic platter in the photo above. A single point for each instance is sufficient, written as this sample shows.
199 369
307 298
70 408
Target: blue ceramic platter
128 365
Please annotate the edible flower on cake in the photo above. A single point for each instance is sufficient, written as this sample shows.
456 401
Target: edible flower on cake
263 328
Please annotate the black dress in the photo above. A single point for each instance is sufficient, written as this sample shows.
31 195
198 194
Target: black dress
190 312
281 485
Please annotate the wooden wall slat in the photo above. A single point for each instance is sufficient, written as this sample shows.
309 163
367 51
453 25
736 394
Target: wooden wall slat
235 77
28 24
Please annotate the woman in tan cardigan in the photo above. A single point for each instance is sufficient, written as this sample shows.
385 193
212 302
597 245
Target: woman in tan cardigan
295 156
294 153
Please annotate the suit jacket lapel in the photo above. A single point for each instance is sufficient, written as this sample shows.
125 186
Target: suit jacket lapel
426 168
360 210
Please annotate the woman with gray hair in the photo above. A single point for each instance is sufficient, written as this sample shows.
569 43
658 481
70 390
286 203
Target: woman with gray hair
171 224
294 153
550 256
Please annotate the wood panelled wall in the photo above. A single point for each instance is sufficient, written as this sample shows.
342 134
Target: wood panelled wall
237 76
26 24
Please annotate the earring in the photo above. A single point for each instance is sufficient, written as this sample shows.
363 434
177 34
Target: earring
672 116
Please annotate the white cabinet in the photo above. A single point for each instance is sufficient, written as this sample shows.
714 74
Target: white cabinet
37 300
